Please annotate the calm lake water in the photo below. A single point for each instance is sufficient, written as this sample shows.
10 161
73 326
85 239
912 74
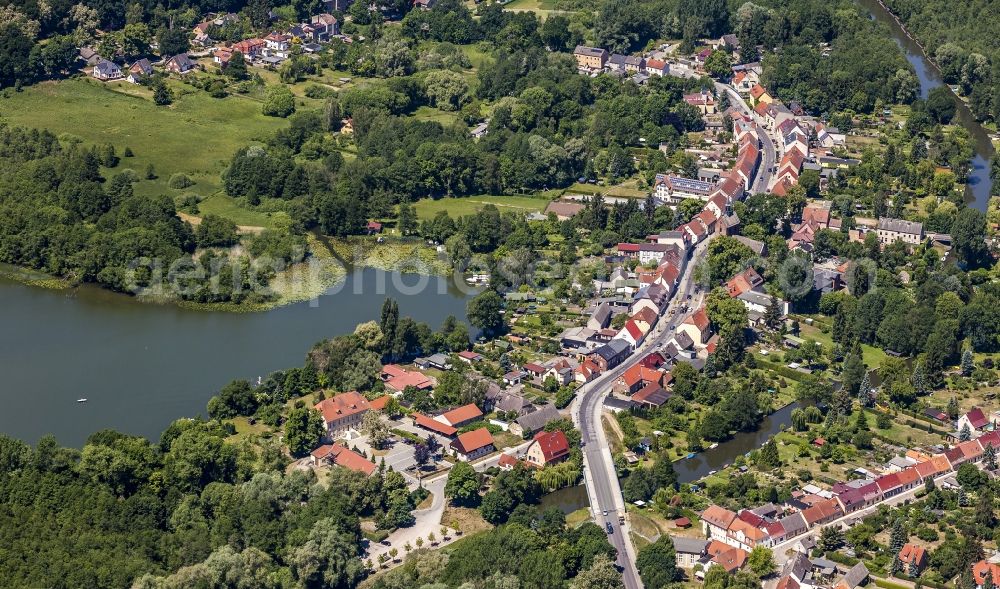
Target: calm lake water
979 183
144 365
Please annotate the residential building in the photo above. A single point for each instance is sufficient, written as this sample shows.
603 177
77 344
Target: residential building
610 354
473 445
325 26
715 522
914 559
469 357
982 569
590 58
689 551
977 423
179 64
250 48
139 70
342 412
892 230
697 327
616 62
547 448
703 101
669 189
528 424
635 64
657 67
728 557
336 454
397 378
106 70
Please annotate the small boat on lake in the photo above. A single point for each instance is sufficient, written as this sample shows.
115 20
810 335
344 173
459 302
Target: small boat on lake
83 400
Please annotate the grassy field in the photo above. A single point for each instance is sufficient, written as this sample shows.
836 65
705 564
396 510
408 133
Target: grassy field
872 356
195 135
429 113
428 207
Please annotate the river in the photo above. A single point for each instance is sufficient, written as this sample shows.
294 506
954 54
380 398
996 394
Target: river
692 469
143 365
979 183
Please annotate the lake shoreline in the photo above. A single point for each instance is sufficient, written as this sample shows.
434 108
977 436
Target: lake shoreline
335 258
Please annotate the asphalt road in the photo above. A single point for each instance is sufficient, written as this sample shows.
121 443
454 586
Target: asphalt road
599 470
762 179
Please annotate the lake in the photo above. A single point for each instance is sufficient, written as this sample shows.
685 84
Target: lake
143 365
979 183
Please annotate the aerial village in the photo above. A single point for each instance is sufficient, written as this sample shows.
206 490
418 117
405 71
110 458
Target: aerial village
645 336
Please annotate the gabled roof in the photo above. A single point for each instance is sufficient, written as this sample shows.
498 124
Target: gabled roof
652 394
536 420
745 281
911 553
432 424
699 319
798 567
553 445
718 516
471 441
462 414
854 577
975 415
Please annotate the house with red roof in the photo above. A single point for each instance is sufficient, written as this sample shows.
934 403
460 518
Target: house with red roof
547 448
469 357
397 378
379 403
759 95
981 569
473 445
342 456
697 326
342 412
636 377
822 512
976 421
746 281
728 557
715 522
587 371
460 416
914 559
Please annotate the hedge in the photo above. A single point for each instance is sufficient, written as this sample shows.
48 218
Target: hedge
780 369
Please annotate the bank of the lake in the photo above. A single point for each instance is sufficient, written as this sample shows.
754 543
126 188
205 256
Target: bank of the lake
143 365
979 185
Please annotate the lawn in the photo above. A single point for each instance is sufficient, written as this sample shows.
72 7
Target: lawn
196 135
872 356
428 207
429 113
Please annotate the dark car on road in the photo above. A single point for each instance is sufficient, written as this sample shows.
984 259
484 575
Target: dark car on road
607 526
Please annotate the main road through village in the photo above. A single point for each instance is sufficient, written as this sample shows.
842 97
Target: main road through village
600 476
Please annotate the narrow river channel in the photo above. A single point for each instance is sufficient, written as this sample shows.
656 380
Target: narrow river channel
142 366
979 184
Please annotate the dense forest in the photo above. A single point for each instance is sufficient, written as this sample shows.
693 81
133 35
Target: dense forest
957 36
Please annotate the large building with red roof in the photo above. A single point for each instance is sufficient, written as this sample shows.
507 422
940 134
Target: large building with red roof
343 412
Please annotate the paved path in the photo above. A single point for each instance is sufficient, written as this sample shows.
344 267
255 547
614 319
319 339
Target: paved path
428 520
